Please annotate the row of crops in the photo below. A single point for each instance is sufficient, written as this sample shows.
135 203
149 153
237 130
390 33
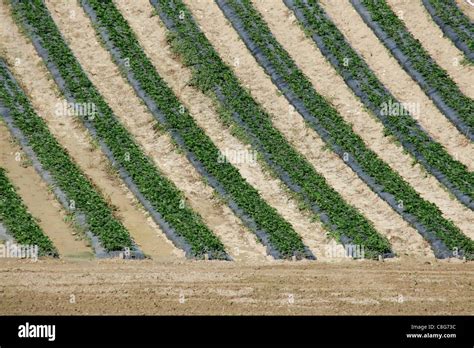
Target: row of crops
81 196
235 105
270 227
363 82
454 24
18 222
155 191
338 134
435 81
211 75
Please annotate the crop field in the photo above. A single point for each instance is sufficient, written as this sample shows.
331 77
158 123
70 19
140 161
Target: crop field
237 157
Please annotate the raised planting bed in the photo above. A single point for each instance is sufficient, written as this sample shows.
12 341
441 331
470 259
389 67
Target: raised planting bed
414 59
272 230
211 75
454 24
72 188
156 193
424 215
18 222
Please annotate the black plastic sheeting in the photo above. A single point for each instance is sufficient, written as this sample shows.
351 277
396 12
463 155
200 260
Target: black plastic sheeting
283 175
124 175
61 196
4 235
161 118
466 200
405 62
355 85
439 248
449 32
254 141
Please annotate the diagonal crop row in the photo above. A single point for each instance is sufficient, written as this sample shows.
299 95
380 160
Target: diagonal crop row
243 199
54 159
159 196
338 134
375 96
454 24
411 55
211 75
19 223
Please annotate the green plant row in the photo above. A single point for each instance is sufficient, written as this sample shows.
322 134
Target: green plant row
158 190
452 17
67 176
19 222
374 95
280 233
211 75
339 134
435 77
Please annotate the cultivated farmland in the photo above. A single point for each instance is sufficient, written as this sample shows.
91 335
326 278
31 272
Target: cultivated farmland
253 144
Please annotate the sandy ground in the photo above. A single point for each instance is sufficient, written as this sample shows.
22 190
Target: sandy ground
404 239
414 287
328 82
151 35
400 84
39 200
44 96
96 61
420 24
466 8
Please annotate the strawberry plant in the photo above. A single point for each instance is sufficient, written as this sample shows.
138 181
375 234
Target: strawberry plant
181 224
434 81
454 24
373 94
270 227
338 134
453 174
55 159
18 222
211 75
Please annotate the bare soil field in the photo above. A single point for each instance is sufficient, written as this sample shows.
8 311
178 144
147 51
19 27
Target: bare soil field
393 287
